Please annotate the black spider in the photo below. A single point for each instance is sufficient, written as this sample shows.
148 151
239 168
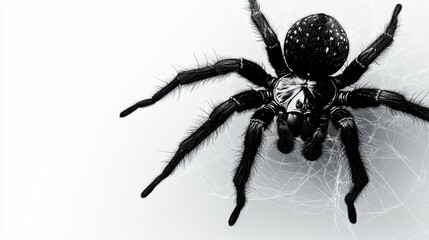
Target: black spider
304 97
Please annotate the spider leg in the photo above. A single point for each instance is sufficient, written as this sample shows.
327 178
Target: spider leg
313 146
248 69
252 141
286 142
360 65
238 103
371 97
349 136
273 47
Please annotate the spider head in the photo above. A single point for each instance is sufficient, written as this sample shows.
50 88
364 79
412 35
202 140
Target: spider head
316 46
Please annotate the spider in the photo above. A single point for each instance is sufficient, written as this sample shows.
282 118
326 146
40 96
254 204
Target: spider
303 98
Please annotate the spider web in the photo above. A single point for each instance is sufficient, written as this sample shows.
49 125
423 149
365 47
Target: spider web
394 146
395 149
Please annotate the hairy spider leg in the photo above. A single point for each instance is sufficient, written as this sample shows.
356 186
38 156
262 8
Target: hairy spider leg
349 136
273 47
238 103
247 69
252 141
313 146
372 97
286 141
360 65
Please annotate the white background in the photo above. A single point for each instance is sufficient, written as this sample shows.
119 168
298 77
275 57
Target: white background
71 169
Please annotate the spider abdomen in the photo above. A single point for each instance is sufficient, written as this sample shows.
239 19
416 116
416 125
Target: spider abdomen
316 45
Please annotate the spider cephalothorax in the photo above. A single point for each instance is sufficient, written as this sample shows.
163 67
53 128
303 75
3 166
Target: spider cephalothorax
303 97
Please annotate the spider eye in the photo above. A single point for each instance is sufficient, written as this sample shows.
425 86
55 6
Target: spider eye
316 45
